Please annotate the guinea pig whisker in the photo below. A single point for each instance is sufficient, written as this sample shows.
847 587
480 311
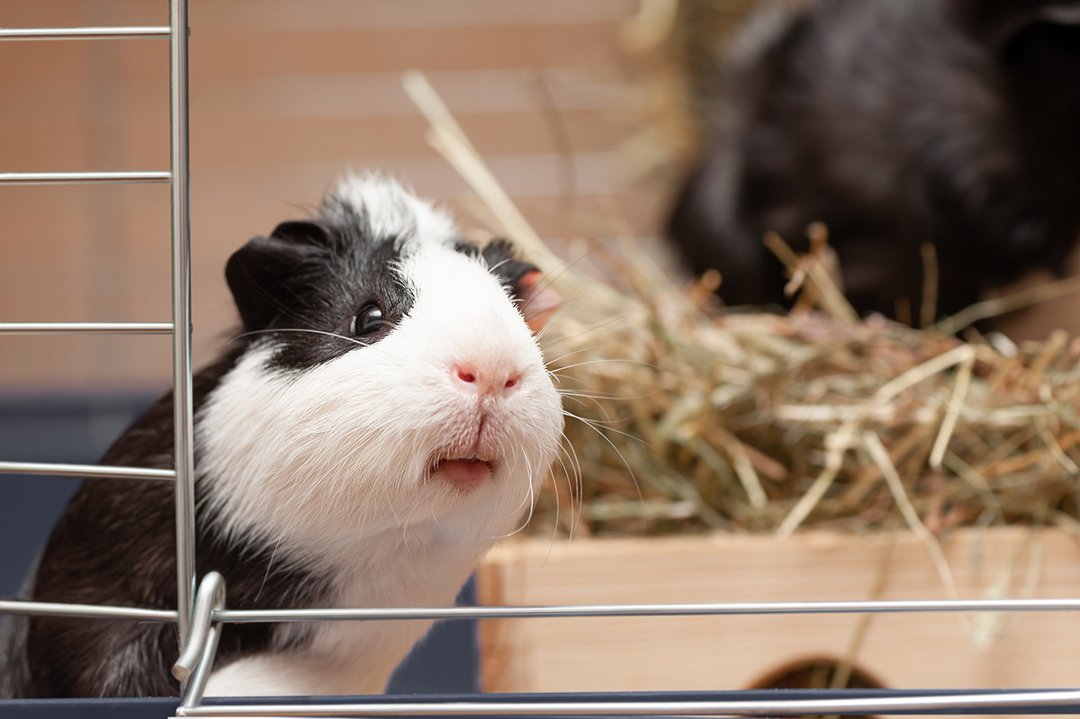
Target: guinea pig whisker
530 497
301 329
587 363
497 265
592 424
513 463
600 395
608 424
269 565
578 486
397 517
554 534
586 400
569 488
530 491
558 313
595 331
533 496
548 279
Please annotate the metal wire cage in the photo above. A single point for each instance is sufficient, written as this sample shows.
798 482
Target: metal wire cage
202 613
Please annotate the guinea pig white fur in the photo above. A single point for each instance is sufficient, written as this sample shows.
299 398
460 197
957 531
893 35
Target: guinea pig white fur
384 418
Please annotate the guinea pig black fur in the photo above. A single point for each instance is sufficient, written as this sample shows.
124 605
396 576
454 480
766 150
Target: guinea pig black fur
385 417
953 122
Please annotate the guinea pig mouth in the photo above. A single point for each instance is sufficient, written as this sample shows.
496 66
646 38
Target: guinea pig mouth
463 472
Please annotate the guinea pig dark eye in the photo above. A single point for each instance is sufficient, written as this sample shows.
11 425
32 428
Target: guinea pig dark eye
369 319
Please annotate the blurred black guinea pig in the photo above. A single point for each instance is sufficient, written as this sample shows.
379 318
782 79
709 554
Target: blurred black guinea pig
954 122
385 417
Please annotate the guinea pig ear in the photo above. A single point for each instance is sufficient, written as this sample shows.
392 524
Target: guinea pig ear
302 232
996 22
263 275
538 302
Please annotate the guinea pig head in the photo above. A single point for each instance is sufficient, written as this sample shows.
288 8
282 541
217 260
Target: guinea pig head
390 381
895 124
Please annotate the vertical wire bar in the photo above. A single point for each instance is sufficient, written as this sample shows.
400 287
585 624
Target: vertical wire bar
181 289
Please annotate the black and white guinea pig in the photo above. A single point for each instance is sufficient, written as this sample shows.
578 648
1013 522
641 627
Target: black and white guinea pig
385 417
955 122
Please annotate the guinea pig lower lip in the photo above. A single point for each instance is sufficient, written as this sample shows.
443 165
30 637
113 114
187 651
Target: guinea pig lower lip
466 472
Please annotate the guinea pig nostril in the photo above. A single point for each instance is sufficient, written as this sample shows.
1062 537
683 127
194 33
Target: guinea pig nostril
485 378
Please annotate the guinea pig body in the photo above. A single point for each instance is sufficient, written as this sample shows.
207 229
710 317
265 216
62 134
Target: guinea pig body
895 124
383 420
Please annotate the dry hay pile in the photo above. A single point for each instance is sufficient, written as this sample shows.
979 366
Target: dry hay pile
687 418
767 423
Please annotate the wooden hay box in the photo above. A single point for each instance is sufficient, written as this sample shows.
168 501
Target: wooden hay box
924 650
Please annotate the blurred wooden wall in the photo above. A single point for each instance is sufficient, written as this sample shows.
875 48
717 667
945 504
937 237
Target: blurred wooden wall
285 94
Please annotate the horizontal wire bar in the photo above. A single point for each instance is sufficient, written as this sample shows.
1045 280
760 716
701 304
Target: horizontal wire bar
584 610
85 611
79 178
930 701
82 33
133 328
768 608
654 610
95 471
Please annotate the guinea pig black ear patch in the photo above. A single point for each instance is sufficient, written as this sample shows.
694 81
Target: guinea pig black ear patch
267 275
303 232
538 303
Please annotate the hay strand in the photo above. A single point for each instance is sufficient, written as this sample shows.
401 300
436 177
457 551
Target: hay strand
1002 305
450 141
952 411
880 455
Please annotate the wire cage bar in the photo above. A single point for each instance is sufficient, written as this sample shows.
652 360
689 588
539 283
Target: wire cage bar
183 422
92 471
179 327
85 611
917 702
109 328
233 616
83 33
81 178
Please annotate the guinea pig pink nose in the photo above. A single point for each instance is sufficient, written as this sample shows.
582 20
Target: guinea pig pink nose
485 380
